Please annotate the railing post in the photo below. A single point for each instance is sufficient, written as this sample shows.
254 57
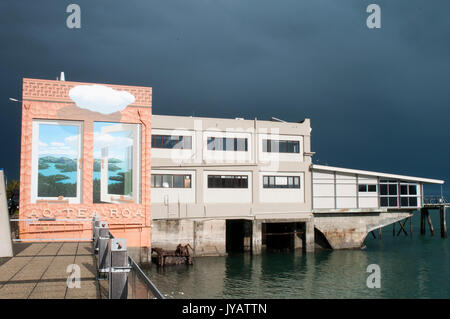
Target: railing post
97 234
104 258
95 223
120 267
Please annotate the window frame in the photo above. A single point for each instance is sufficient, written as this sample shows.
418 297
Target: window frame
215 181
156 176
105 196
272 182
158 141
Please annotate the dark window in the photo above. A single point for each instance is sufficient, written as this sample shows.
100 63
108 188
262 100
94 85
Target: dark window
170 181
281 146
363 188
227 144
171 141
412 189
413 201
372 188
404 189
404 201
392 189
227 181
392 201
383 201
281 181
383 189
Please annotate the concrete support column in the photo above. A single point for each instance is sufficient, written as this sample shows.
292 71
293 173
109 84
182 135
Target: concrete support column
309 236
256 237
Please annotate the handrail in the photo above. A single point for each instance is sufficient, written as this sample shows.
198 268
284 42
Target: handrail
148 283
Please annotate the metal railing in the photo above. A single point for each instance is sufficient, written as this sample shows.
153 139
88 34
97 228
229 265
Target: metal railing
434 200
125 278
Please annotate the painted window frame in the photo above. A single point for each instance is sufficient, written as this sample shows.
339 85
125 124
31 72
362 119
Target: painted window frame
35 160
105 197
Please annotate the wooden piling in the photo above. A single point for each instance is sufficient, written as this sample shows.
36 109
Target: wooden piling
422 221
402 228
443 225
379 233
430 224
410 226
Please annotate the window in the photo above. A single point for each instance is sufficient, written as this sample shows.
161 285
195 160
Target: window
56 169
281 146
398 194
227 144
408 195
371 188
281 181
227 181
172 141
116 162
388 193
171 181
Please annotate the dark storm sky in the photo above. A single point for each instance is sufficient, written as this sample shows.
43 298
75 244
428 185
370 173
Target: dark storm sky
377 99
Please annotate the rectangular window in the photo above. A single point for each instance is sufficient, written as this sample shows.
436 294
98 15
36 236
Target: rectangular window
56 155
371 188
116 163
281 181
408 195
227 144
227 181
172 142
280 146
171 181
389 193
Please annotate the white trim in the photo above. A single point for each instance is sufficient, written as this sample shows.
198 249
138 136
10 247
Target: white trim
136 169
369 173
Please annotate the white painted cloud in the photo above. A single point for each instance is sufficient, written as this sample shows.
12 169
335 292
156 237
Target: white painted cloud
100 98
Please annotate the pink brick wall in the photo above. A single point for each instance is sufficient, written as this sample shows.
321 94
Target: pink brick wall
48 99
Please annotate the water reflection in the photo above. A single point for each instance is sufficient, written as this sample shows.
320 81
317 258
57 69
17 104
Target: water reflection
416 267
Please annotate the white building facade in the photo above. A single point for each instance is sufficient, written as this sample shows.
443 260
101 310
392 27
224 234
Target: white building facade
209 174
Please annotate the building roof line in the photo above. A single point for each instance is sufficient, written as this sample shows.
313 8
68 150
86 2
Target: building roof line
378 174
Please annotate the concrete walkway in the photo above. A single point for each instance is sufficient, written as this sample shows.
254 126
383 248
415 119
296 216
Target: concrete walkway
38 271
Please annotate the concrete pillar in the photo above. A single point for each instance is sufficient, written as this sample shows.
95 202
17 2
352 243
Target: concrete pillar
5 229
256 237
309 236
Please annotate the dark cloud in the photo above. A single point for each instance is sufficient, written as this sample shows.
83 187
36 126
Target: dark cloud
378 99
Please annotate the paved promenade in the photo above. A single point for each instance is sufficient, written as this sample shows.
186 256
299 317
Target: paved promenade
38 271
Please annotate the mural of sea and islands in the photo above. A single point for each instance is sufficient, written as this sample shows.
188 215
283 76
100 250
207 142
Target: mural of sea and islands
59 153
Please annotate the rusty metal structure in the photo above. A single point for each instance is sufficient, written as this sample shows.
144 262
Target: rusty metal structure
179 256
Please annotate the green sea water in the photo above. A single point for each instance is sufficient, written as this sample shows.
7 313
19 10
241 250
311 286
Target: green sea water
411 267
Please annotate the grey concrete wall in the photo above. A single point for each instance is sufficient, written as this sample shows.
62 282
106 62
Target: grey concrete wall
5 230
206 237
348 230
